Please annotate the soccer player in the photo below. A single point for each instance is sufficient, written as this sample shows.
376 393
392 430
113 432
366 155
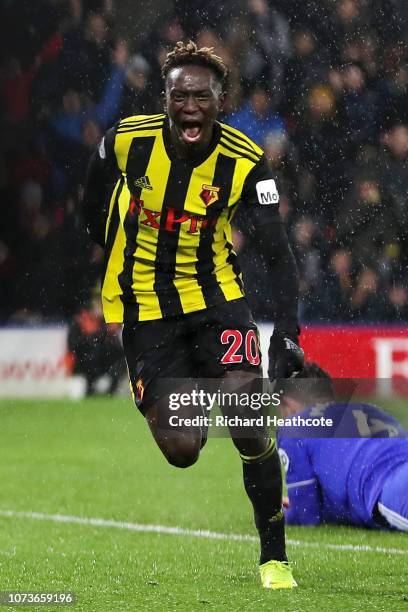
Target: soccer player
160 195
353 472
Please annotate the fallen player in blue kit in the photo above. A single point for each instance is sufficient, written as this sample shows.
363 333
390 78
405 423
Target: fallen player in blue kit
355 472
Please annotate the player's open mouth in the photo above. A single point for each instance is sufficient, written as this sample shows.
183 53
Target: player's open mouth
191 131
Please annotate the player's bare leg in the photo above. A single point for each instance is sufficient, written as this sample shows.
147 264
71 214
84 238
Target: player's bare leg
261 467
180 444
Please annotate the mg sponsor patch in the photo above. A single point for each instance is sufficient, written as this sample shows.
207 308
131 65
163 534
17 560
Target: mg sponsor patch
267 192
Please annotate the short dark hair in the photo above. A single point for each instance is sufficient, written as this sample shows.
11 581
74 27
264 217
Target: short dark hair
187 53
310 384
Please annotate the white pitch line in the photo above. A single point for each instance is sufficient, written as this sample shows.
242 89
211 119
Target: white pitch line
195 533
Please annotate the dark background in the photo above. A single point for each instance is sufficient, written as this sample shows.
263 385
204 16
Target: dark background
320 85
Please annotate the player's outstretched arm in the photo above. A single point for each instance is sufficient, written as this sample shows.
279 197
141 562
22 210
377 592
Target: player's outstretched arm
285 354
304 505
271 240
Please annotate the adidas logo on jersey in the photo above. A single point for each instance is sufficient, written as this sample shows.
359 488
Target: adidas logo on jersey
143 182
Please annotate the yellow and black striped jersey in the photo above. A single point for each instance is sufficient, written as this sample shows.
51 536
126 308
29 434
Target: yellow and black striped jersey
167 223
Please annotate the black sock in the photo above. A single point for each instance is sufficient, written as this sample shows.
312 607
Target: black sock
263 484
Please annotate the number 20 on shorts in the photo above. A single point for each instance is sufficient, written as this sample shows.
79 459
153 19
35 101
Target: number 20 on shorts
235 338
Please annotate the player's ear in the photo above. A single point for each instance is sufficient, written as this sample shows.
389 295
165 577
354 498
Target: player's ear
164 100
221 101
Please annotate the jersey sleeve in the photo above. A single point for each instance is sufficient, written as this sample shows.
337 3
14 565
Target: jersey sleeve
260 195
302 485
101 178
260 203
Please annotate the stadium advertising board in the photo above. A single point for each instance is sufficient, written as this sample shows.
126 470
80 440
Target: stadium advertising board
378 355
34 361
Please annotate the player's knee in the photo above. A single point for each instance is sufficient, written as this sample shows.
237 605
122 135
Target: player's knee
182 460
182 454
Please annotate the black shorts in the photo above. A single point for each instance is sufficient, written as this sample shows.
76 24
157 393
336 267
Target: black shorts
202 344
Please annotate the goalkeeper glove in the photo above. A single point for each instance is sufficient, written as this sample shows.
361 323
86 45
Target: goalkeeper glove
285 355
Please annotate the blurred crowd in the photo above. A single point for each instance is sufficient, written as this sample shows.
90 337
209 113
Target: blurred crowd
321 85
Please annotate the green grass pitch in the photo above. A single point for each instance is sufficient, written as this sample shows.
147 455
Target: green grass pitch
95 459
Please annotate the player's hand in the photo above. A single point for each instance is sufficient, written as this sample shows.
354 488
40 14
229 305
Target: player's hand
285 502
285 355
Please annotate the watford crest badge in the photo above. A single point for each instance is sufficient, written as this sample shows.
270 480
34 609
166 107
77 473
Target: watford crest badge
209 194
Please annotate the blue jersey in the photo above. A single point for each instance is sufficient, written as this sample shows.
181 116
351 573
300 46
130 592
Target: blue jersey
336 474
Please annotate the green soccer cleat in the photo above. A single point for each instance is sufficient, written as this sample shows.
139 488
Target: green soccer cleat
277 575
